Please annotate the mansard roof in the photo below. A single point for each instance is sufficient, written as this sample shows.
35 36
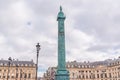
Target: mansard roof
108 62
16 63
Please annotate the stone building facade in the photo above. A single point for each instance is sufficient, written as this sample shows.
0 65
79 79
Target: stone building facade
99 70
17 70
50 74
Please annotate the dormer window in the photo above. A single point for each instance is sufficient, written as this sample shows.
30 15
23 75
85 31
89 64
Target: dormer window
5 64
68 66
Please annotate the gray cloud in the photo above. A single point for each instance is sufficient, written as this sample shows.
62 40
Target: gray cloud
100 19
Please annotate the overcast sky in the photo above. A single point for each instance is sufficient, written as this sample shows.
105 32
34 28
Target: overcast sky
92 30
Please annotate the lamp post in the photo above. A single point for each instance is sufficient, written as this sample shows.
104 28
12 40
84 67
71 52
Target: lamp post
38 49
9 60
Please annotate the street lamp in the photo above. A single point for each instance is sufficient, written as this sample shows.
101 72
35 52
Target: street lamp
38 49
9 60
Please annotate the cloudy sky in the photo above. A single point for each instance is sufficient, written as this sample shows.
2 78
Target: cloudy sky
92 30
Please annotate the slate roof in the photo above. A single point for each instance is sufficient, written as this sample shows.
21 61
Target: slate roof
16 63
107 62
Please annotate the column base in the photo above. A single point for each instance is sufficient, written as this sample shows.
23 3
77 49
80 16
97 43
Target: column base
62 75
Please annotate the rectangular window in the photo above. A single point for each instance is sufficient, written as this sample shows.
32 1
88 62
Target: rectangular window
20 75
25 76
29 76
97 75
110 75
12 76
101 75
3 76
16 75
105 75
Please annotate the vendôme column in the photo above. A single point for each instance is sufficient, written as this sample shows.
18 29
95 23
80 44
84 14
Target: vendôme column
62 73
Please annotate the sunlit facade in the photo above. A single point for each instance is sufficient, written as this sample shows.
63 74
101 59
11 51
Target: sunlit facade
17 70
99 70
